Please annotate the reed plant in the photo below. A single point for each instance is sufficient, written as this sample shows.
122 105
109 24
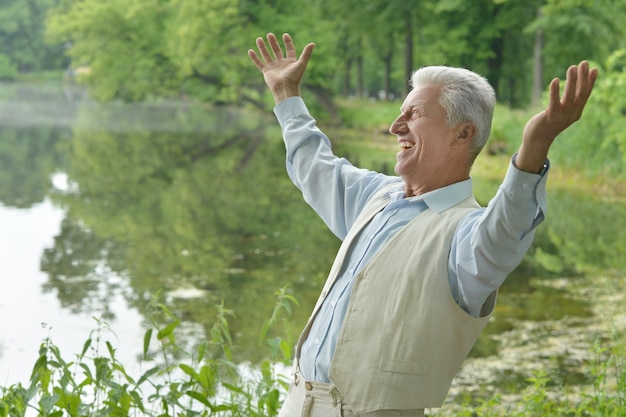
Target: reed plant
203 380
179 381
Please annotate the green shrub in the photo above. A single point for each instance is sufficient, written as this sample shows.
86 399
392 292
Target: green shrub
7 69
202 381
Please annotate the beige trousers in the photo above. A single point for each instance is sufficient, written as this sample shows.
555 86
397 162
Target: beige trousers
317 399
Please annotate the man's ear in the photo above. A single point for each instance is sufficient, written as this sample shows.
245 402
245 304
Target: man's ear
465 133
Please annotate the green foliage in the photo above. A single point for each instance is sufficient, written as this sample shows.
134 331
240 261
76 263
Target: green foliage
595 145
586 181
8 71
580 29
22 25
543 395
281 347
204 381
573 242
197 381
598 142
142 49
121 44
203 46
145 49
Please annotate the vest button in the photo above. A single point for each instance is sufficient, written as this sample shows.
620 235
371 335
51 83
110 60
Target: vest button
308 386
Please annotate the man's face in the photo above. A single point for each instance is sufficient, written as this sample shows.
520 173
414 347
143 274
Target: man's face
423 135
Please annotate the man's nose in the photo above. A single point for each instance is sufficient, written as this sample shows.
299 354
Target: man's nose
396 126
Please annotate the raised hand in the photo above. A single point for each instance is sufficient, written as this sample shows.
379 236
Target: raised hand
562 112
282 74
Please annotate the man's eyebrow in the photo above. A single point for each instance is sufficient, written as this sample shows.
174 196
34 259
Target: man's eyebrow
418 104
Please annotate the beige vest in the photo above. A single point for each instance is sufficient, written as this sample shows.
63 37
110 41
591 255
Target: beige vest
404 337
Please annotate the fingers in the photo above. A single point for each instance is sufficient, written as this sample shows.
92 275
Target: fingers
265 54
306 53
569 92
581 80
258 62
255 59
582 88
587 79
579 83
278 52
267 57
555 93
289 46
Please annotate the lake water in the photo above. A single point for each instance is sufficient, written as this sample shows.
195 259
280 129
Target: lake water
102 207
30 314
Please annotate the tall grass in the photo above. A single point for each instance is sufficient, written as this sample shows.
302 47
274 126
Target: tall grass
200 381
204 380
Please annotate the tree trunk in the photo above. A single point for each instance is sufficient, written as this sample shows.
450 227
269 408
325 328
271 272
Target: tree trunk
360 77
537 65
387 85
325 99
408 53
347 79
494 65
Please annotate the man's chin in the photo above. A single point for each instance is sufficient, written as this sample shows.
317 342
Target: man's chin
395 168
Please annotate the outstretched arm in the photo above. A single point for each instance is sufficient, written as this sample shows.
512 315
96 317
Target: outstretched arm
282 74
544 127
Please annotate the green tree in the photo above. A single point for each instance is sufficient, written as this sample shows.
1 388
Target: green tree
597 144
205 42
121 43
138 49
8 71
22 36
579 29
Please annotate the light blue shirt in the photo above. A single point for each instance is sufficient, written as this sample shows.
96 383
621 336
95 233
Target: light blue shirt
488 243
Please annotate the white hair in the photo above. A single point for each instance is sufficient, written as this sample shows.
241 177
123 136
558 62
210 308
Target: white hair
466 96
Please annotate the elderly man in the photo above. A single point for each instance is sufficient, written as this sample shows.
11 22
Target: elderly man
416 277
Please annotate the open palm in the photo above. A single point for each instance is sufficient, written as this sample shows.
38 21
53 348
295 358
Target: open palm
282 73
562 111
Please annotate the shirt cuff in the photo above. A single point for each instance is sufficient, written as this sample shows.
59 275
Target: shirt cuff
289 108
526 185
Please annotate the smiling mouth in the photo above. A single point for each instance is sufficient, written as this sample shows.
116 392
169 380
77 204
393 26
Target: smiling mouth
405 144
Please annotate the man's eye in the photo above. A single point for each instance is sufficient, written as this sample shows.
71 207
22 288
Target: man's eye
415 113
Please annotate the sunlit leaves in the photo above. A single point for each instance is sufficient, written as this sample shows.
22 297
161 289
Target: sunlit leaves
121 42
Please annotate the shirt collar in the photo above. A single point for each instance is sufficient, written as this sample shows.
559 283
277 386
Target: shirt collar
441 199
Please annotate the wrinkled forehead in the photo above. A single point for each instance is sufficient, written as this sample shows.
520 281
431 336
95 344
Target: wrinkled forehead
423 96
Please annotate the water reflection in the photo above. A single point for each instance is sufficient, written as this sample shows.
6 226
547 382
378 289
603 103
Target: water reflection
189 201
197 206
194 202
27 155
